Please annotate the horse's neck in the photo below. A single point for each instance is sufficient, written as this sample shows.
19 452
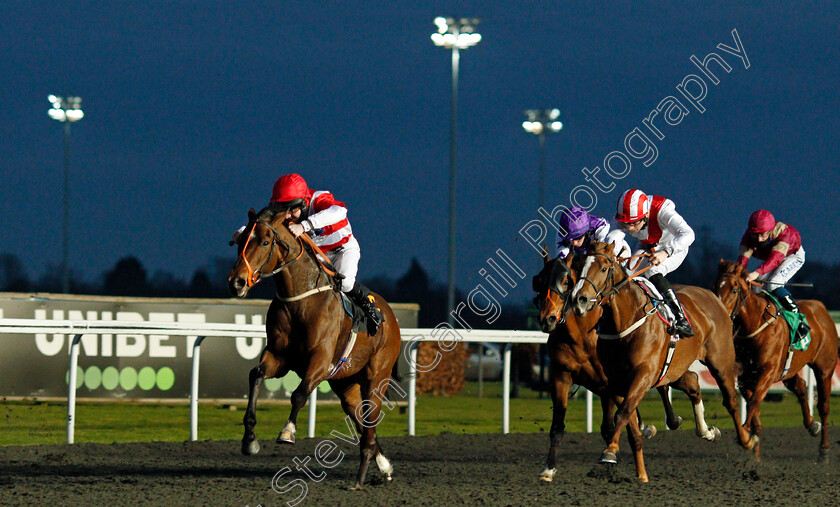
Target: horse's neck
629 296
580 330
300 277
752 313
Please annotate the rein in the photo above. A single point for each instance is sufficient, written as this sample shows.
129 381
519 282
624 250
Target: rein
255 275
742 301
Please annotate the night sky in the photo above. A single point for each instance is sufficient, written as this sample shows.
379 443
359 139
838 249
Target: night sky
193 109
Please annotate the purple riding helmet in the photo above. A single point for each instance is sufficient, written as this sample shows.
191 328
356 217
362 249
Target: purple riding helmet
575 222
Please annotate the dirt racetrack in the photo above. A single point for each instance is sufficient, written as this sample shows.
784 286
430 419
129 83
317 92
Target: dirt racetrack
442 470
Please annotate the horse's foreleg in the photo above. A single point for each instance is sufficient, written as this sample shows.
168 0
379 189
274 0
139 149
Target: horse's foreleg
823 394
249 439
672 420
269 367
561 382
315 374
607 418
636 438
626 415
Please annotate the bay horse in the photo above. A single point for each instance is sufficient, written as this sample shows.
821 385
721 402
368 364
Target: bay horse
307 332
762 343
645 341
579 357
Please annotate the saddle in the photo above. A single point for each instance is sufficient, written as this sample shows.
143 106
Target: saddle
361 322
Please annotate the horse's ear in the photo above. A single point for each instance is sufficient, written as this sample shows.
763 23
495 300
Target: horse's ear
545 255
570 258
252 215
610 248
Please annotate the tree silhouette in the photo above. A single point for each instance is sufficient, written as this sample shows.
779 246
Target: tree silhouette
128 278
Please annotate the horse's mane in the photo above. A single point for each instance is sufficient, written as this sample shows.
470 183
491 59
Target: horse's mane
268 213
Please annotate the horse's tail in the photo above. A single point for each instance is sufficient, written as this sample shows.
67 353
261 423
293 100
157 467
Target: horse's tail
395 371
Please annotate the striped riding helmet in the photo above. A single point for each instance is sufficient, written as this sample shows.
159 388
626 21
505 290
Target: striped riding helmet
633 205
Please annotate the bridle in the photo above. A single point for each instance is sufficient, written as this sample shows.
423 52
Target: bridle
600 296
739 292
255 275
552 284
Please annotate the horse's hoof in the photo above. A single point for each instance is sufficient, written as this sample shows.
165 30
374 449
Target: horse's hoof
815 428
712 435
823 455
608 457
355 487
752 442
649 431
545 478
547 475
388 479
286 437
675 426
250 448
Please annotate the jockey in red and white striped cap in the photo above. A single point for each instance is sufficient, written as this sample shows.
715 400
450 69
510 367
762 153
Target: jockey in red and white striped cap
324 218
654 221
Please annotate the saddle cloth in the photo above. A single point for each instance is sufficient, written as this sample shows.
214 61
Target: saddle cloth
361 322
793 319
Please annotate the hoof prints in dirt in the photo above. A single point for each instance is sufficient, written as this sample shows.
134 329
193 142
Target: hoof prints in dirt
438 470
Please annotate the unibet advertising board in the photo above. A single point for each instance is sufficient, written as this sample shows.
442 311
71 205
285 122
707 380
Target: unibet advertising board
139 366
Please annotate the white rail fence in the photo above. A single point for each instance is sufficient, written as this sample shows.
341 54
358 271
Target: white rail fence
78 328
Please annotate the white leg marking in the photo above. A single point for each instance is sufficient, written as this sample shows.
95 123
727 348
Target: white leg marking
548 473
384 465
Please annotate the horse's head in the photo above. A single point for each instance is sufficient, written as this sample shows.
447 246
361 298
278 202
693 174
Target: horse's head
731 286
553 286
261 250
596 277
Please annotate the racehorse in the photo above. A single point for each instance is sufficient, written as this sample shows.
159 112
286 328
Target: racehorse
646 343
762 344
578 356
308 331
574 352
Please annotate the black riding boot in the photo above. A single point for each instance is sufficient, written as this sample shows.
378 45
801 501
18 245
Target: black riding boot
790 305
680 325
361 296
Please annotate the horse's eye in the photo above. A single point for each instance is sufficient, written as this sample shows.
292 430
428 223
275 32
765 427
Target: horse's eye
603 270
265 243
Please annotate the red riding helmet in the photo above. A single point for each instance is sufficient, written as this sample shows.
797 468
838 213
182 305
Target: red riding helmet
633 205
290 191
761 221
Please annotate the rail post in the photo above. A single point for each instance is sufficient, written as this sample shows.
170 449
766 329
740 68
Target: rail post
194 389
71 388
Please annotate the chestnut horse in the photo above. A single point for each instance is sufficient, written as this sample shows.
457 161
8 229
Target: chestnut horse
575 358
307 332
646 342
578 356
762 343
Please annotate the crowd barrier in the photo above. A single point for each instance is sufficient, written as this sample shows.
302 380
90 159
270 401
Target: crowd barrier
78 328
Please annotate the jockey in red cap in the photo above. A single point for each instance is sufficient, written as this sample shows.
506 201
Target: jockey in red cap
654 221
779 246
324 218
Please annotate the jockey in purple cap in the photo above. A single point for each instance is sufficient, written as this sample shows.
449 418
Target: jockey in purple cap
578 228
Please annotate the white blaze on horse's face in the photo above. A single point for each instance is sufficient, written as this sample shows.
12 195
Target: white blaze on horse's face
583 273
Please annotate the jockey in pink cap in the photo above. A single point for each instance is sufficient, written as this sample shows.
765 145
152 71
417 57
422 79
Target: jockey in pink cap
780 247
324 218
654 221
578 228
